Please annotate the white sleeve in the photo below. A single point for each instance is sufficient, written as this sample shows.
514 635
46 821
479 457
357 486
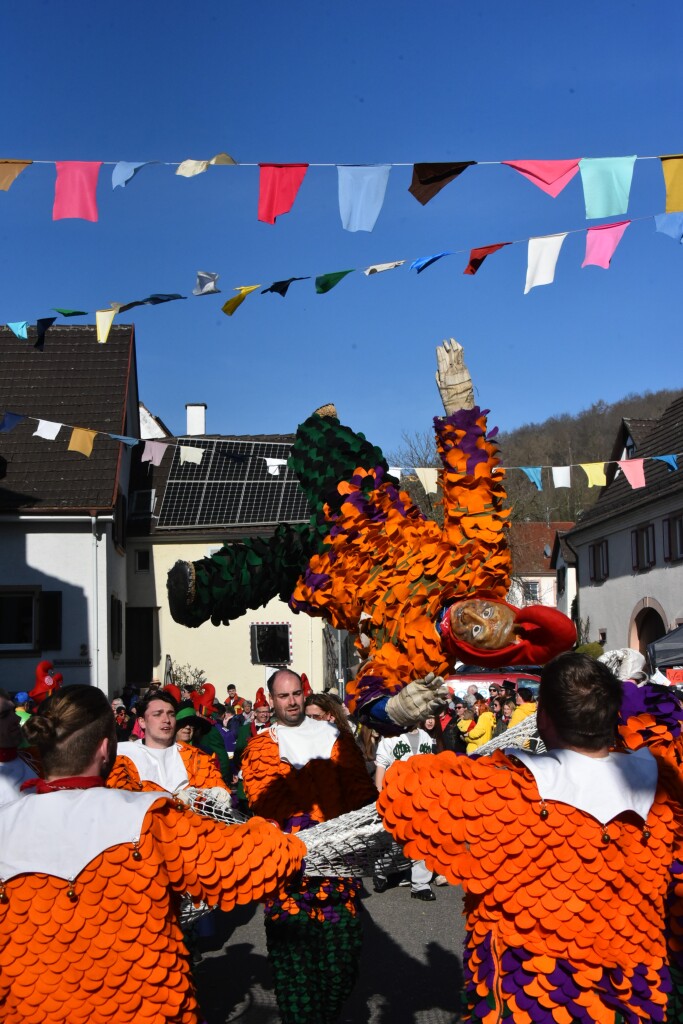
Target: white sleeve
385 755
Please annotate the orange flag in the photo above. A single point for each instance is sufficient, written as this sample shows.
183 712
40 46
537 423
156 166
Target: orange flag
10 171
82 441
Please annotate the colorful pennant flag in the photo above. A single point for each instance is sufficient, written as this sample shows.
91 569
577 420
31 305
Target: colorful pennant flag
130 442
326 282
9 421
541 260
191 168
595 471
670 224
428 477
670 460
395 471
104 318
70 312
10 171
477 256
42 327
75 189
125 171
634 471
561 476
379 268
606 185
273 465
601 243
190 454
361 194
82 441
19 328
232 304
534 474
47 430
422 262
429 179
278 188
154 452
152 300
672 168
282 287
550 175
206 283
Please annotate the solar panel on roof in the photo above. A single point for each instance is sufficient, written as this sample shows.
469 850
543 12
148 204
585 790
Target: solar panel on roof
232 486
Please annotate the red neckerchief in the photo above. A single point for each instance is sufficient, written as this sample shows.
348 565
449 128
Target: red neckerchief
75 782
8 754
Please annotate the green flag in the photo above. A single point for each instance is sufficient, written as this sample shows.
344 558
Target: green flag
326 282
70 312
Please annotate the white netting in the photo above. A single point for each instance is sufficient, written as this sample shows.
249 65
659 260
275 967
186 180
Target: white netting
524 734
352 844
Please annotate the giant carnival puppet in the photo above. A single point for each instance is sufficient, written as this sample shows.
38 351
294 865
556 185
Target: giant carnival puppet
417 596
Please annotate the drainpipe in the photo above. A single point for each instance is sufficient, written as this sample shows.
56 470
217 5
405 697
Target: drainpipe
95 605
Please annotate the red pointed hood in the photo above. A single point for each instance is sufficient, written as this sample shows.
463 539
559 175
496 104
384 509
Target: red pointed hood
542 633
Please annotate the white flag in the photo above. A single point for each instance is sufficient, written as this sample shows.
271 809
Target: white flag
561 476
428 478
188 454
47 429
543 253
274 465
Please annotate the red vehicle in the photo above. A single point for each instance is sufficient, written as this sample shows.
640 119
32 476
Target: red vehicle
519 675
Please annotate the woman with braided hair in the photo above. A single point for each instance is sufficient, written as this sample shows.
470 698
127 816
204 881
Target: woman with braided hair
416 595
90 881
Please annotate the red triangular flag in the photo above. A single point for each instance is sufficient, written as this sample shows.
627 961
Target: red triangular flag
477 256
278 186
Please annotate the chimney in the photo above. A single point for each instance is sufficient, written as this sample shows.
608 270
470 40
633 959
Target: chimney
196 418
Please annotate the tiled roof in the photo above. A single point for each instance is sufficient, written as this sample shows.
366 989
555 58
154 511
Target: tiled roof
528 542
665 437
74 381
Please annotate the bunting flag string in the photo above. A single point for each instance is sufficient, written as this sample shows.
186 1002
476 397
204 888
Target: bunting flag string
542 255
81 440
361 187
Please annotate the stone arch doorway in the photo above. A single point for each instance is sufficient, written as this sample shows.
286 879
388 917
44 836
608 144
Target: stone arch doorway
648 624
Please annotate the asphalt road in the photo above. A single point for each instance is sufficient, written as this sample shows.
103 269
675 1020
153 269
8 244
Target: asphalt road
411 966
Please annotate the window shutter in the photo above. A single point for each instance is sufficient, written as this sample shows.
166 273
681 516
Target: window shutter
604 559
591 561
634 549
651 556
50 620
666 540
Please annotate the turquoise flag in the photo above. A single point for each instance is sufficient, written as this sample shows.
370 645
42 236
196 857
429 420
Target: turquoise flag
20 328
534 474
606 185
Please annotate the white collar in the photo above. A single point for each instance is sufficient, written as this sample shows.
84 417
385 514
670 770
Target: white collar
309 741
60 833
601 786
162 765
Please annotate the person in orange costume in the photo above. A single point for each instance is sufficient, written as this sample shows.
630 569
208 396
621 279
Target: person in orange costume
300 772
89 932
566 858
416 595
159 762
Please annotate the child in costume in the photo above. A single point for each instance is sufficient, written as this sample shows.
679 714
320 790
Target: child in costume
416 595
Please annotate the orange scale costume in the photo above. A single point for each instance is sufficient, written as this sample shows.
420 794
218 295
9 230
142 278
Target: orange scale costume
313 929
570 925
139 769
88 925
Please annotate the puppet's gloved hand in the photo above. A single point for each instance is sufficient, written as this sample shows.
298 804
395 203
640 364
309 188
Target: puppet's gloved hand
417 700
453 378
219 795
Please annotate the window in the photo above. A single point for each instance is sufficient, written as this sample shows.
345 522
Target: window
142 560
120 529
598 561
643 548
530 592
143 503
602 636
672 538
271 643
116 626
561 579
18 618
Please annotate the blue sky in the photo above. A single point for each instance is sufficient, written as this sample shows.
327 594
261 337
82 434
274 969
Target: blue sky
356 83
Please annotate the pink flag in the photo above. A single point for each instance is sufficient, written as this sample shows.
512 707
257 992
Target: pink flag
549 175
278 186
633 471
154 452
75 189
601 242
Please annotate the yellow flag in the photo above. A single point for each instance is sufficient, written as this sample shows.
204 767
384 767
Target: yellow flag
595 471
672 166
82 441
104 318
188 168
231 305
223 158
10 171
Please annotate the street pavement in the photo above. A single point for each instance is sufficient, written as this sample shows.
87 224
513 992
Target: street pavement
410 973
